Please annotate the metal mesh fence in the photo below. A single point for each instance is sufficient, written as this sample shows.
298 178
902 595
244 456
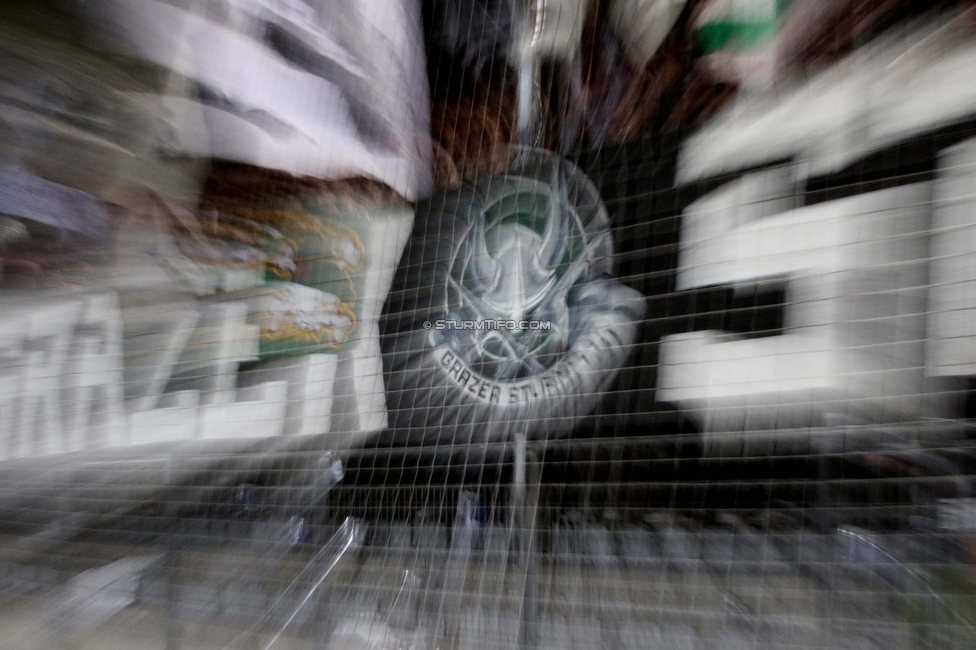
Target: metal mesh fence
663 377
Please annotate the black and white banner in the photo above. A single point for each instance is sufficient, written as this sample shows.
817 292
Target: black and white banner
529 248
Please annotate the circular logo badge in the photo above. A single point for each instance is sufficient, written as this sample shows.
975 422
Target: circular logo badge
504 312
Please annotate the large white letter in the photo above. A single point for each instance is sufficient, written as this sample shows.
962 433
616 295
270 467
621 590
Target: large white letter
855 272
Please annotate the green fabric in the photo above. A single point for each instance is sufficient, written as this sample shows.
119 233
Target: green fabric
721 35
330 256
739 33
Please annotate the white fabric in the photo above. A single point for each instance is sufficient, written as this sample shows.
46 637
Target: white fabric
950 341
861 104
309 107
